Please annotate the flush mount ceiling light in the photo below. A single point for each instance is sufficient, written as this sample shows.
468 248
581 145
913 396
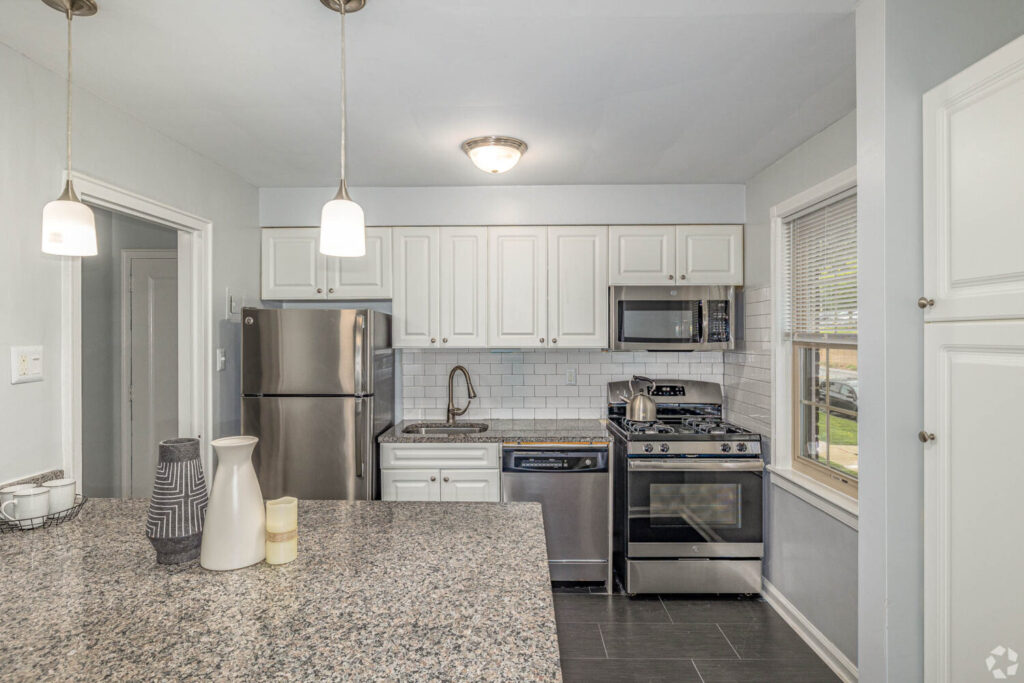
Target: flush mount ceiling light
494 153
342 223
69 227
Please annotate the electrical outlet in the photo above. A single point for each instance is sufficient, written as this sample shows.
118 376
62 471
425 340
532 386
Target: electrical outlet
233 304
570 377
26 364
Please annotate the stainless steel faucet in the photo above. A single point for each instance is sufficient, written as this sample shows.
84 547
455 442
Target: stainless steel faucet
452 410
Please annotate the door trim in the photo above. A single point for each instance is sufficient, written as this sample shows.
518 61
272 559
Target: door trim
127 256
195 340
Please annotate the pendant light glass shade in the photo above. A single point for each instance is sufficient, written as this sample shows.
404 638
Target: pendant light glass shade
69 227
342 226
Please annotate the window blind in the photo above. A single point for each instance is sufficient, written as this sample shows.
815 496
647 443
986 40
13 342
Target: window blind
820 265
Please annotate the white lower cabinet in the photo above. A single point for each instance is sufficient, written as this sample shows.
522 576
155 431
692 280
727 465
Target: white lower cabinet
463 473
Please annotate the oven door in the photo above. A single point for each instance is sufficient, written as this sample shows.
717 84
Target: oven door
694 508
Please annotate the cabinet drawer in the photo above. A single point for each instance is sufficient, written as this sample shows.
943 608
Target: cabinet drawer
440 455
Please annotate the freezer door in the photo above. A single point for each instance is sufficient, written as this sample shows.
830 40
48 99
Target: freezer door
310 352
313 447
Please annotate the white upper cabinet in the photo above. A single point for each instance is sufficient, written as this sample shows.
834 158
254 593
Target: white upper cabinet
363 277
641 254
517 290
578 286
973 203
291 264
463 305
415 319
292 267
709 254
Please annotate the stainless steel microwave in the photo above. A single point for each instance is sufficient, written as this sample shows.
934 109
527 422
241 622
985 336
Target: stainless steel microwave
659 318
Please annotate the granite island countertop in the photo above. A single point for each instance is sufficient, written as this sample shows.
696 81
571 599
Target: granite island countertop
506 431
380 591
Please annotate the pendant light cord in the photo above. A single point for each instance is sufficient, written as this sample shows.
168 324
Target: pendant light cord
344 112
69 92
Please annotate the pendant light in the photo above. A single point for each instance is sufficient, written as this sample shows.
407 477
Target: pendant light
494 153
69 228
342 223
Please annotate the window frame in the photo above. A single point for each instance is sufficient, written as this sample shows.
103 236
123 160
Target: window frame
819 491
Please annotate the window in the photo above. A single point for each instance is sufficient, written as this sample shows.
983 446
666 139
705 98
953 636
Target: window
819 263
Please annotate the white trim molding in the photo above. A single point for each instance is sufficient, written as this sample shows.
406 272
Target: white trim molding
782 366
808 489
815 639
195 338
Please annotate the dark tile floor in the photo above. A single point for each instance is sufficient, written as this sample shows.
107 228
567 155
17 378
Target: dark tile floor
701 639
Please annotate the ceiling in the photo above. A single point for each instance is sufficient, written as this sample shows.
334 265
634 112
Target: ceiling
603 91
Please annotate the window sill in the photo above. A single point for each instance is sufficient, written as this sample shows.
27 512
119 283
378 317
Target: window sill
837 505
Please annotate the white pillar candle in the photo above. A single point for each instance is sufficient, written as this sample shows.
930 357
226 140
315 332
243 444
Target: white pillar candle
282 530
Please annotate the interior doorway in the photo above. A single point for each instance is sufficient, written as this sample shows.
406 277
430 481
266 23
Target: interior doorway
129 375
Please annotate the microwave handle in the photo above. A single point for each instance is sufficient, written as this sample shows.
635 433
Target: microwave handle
705 312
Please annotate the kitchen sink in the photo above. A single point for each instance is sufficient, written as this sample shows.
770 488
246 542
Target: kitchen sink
444 428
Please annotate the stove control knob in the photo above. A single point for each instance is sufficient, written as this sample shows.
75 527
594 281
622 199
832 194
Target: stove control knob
664 448
741 448
648 448
726 448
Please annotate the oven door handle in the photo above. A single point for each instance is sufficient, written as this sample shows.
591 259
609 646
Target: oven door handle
658 465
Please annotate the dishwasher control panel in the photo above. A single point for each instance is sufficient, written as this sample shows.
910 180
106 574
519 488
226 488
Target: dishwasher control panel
554 460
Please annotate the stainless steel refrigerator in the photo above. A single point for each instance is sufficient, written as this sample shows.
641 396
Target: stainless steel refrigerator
318 388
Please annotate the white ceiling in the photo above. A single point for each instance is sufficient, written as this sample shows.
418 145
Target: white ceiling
603 91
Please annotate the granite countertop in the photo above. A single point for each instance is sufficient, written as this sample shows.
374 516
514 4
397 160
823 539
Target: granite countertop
380 591
506 431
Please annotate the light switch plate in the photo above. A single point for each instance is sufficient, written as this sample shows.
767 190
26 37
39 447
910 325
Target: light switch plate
26 364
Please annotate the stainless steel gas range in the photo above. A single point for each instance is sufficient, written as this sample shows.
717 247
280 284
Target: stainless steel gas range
688 494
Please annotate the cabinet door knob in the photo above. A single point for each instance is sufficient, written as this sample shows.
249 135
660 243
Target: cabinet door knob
331 290
444 340
446 479
433 340
925 302
319 290
925 437
542 340
554 340
682 276
433 478
671 277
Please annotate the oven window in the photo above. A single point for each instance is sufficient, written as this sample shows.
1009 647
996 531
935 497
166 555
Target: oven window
659 322
718 506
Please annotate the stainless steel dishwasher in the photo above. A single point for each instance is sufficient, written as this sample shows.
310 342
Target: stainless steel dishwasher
571 482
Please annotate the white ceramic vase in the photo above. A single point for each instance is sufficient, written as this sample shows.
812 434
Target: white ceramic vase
234 533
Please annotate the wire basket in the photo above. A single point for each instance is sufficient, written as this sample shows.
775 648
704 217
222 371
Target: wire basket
8 526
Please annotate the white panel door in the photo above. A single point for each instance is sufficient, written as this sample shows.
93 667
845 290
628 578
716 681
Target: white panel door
578 286
292 266
470 486
410 485
974 397
517 290
153 364
641 254
973 198
362 277
709 254
463 305
414 308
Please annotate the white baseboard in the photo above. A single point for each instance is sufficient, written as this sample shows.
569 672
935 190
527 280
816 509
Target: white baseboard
822 646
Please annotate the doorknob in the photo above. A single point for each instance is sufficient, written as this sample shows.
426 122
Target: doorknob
925 437
925 302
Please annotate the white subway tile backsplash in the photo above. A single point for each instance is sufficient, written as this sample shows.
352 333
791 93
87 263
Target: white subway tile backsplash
747 376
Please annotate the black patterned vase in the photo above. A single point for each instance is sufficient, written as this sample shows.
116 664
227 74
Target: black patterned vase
176 511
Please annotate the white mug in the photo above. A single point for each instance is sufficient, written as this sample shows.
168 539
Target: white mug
7 493
62 494
28 504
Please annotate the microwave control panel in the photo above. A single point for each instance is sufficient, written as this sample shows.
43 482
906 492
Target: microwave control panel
718 321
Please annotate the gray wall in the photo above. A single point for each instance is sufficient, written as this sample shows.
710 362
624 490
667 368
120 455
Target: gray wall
809 555
101 346
903 50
